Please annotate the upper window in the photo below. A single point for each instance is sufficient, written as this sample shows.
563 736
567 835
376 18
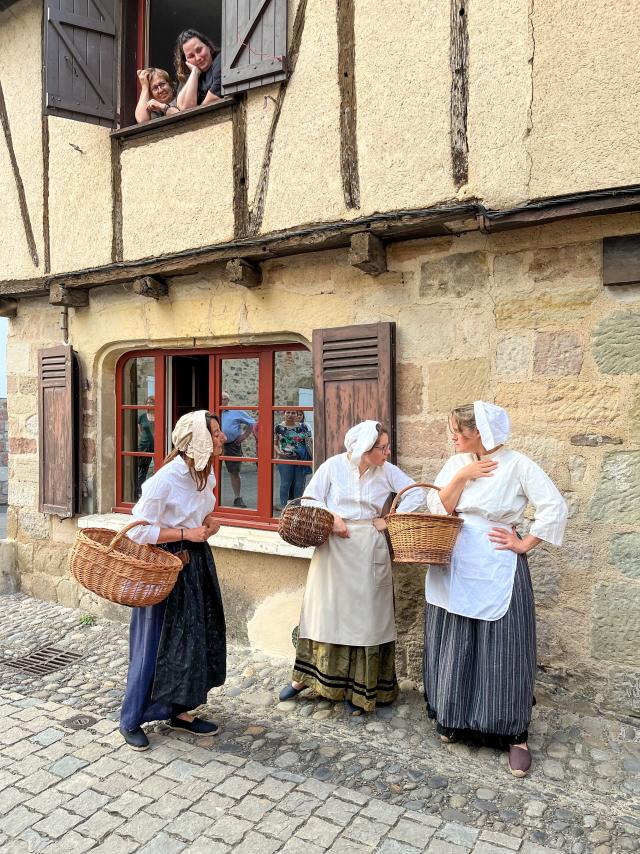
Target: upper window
264 397
84 48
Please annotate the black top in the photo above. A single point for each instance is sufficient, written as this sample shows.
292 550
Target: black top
210 80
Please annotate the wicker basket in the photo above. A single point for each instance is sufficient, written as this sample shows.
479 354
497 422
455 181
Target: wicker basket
421 537
305 526
120 570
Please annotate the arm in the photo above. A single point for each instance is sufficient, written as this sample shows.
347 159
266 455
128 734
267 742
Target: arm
209 98
142 113
216 87
318 491
188 95
158 106
451 490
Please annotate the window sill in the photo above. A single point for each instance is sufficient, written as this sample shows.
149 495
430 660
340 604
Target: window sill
177 118
240 539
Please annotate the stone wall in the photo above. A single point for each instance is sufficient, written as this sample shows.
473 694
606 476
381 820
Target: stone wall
4 452
521 318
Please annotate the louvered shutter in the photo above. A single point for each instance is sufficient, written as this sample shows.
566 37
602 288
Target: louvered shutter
80 60
59 430
354 379
254 43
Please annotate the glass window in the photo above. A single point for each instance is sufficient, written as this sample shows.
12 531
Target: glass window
139 381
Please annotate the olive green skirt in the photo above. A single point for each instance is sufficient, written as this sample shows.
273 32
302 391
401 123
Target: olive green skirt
366 675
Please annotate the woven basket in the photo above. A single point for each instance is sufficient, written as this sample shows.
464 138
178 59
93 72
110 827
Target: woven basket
120 570
421 537
305 526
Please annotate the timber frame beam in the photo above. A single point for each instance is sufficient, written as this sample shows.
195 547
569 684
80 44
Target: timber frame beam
437 221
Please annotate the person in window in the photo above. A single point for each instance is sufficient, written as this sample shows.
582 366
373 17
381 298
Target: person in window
157 95
346 643
178 647
146 425
480 630
198 68
290 443
237 427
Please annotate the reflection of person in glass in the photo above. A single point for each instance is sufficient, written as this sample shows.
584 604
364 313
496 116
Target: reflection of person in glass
146 427
237 427
290 443
178 647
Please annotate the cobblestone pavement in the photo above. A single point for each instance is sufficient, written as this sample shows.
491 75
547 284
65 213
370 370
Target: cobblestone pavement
290 777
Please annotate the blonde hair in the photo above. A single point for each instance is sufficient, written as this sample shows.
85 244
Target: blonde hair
464 417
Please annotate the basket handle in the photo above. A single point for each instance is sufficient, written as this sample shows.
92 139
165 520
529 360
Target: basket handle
405 489
114 542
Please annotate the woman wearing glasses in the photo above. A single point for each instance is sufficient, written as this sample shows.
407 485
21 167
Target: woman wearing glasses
346 644
290 443
157 95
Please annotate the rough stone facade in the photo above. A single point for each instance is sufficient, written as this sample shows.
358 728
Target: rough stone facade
520 317
4 452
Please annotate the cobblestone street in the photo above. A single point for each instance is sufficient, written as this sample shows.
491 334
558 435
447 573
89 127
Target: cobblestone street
290 777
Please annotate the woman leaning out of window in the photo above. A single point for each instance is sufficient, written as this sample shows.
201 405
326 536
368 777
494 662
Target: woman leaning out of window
197 62
157 95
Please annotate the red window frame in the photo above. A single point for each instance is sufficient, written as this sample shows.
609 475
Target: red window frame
262 517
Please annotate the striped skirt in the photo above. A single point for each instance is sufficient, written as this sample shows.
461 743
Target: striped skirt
479 676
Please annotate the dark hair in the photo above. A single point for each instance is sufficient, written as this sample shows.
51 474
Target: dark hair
180 63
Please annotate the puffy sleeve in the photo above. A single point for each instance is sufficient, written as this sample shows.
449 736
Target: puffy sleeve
318 487
149 509
413 498
550 518
442 479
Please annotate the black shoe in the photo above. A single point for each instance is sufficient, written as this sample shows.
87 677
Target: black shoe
239 502
195 727
135 738
352 710
289 692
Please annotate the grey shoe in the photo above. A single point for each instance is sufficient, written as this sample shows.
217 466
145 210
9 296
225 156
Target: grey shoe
135 738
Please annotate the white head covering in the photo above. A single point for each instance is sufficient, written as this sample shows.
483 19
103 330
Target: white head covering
192 436
360 439
493 422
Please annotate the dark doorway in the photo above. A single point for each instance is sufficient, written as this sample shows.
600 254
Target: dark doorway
167 18
190 385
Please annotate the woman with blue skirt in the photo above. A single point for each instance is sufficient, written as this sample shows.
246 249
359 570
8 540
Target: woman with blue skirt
178 647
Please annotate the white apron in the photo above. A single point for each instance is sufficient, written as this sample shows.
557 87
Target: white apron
479 581
349 594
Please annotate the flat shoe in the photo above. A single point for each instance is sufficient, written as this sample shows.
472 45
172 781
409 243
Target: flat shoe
519 760
352 710
195 727
135 738
289 692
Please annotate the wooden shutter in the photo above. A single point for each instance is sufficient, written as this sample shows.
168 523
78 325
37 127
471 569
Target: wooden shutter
354 379
59 430
254 43
80 60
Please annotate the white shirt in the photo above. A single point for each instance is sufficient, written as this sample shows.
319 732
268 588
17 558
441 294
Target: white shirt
170 499
516 482
338 487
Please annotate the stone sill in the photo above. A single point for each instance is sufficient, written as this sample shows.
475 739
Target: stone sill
240 539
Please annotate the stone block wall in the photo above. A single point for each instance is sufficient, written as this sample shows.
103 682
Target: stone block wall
4 452
520 318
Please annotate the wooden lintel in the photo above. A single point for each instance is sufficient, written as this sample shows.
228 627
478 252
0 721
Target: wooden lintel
368 253
8 307
241 272
61 295
150 286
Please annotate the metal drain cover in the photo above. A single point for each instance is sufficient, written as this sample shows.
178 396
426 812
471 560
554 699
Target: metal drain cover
79 722
45 660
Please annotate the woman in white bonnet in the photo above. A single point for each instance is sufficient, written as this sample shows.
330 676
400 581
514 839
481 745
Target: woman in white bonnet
178 647
346 644
480 631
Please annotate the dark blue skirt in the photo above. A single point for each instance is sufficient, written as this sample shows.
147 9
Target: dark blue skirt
177 649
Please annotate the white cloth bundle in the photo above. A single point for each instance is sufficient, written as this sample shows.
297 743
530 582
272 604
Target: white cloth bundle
493 423
360 439
192 436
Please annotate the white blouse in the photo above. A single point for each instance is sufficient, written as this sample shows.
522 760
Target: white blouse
338 487
503 498
170 499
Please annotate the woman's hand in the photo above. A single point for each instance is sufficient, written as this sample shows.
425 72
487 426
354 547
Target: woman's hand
197 535
211 524
380 524
143 77
193 69
504 540
480 468
158 106
340 527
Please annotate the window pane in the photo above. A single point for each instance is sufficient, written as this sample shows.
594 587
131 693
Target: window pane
135 470
239 382
293 378
289 481
239 484
139 381
293 435
138 430
168 18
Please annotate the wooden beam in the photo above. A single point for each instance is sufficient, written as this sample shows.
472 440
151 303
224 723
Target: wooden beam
241 272
368 253
240 168
348 104
459 65
150 286
60 295
8 307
